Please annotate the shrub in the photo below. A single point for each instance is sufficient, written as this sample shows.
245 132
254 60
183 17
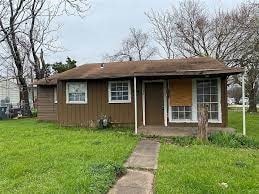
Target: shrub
185 141
233 140
34 113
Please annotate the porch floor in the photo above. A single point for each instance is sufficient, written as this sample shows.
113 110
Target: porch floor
176 131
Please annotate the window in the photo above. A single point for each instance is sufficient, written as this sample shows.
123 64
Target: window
55 95
76 92
181 112
119 92
207 95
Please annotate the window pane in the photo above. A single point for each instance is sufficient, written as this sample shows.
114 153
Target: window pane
181 108
213 90
175 108
207 95
200 98
214 98
188 115
188 108
181 115
214 115
181 112
214 107
175 115
206 98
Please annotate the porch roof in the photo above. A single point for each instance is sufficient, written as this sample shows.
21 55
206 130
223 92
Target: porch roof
171 67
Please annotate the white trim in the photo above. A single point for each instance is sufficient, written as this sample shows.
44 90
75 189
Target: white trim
55 97
219 103
144 99
165 102
143 104
243 104
194 100
110 101
194 104
76 102
135 105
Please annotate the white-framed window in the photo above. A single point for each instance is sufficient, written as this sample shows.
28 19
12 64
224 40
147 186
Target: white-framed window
208 95
76 92
119 91
181 113
55 95
205 91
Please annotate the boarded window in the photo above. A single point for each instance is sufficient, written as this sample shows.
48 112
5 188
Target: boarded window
180 92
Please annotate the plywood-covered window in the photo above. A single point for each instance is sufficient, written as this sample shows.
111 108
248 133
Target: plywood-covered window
76 92
180 97
180 92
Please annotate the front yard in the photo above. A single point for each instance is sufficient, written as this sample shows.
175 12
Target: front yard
209 168
45 158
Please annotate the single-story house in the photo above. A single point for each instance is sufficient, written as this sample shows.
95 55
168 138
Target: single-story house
137 93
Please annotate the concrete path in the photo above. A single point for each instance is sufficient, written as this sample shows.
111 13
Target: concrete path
141 164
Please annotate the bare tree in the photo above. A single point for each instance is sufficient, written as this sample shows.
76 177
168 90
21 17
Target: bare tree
23 34
163 30
136 47
229 36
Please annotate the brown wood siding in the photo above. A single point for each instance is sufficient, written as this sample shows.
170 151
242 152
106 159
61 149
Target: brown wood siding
47 109
180 92
97 105
85 114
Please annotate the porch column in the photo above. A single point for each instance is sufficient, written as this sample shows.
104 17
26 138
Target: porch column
135 105
244 110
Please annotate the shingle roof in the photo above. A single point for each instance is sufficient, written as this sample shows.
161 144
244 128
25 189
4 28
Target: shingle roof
186 66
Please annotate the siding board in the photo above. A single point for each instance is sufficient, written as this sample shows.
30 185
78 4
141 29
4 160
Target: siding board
47 109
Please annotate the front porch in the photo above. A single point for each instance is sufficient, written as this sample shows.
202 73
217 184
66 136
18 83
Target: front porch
163 131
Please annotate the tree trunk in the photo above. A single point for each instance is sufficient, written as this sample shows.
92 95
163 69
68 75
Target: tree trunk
252 101
25 103
203 123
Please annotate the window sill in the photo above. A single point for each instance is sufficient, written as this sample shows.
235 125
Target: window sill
186 121
76 102
120 102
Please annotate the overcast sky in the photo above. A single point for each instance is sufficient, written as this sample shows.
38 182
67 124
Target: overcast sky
107 23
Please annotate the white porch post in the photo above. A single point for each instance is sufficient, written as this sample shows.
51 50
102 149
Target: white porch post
135 105
244 110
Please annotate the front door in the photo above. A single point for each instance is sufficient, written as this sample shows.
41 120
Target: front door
154 103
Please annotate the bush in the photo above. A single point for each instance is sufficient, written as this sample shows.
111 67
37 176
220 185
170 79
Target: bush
185 141
34 113
233 140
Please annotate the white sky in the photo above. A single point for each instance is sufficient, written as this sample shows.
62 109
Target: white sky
107 23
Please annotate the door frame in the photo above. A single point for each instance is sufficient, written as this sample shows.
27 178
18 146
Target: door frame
144 100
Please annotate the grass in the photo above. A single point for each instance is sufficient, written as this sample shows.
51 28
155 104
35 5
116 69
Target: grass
205 169
252 123
210 168
45 158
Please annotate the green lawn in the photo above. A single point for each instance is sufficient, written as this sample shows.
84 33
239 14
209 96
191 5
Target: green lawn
252 123
203 168
45 158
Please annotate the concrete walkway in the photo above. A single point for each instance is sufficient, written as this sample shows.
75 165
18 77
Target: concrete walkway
141 164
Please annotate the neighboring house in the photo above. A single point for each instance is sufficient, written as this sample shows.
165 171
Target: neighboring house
9 92
140 93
